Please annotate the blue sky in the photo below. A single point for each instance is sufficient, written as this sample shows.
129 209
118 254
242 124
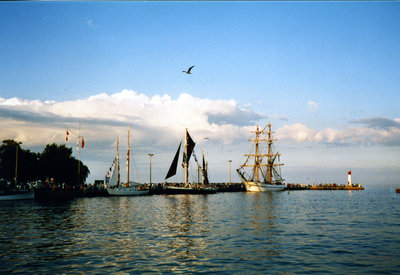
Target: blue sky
305 66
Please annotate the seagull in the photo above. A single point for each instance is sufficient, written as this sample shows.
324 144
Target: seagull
188 71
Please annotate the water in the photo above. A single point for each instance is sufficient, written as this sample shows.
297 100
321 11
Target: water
337 232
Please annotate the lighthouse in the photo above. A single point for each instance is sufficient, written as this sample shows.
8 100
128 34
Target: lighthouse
349 177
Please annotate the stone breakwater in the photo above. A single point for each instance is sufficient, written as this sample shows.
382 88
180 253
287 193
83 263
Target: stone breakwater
323 186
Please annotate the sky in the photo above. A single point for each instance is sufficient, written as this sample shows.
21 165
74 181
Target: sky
325 74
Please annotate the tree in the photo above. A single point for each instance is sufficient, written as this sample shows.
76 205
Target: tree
11 154
54 162
58 163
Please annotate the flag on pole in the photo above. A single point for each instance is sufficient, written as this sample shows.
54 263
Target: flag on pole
83 143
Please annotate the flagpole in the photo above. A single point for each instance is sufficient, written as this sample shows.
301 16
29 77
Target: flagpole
79 152
79 143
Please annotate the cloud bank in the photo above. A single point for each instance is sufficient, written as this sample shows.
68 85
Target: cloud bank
157 125
161 120
374 131
157 119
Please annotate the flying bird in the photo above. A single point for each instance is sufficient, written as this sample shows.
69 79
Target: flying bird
188 71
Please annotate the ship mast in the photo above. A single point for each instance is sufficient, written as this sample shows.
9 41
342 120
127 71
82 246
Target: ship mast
258 156
127 161
271 156
185 160
118 175
269 167
16 165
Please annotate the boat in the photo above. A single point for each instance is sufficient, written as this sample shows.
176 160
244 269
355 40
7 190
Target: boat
265 172
202 187
12 191
17 195
114 186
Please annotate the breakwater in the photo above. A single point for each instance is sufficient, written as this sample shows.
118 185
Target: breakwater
323 186
158 189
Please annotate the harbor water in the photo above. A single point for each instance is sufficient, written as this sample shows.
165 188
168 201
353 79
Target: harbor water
338 232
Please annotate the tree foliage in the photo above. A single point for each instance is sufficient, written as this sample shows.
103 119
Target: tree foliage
54 162
57 162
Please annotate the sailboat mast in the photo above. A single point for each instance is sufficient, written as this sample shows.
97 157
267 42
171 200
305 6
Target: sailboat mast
79 151
16 165
127 161
118 175
185 159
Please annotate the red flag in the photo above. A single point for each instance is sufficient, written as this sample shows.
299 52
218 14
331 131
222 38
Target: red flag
83 143
66 137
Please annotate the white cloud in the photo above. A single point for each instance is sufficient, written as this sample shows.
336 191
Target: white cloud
160 120
91 23
312 106
151 118
352 135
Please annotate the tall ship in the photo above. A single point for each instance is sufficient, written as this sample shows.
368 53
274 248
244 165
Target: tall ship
261 172
113 181
202 187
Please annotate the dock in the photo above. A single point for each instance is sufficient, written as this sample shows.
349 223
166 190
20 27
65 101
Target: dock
323 186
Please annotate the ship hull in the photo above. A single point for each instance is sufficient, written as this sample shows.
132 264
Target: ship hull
173 190
252 186
22 195
126 191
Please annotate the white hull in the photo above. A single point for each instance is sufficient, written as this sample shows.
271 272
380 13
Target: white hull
262 187
126 191
24 195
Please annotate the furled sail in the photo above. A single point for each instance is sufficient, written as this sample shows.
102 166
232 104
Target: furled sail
172 169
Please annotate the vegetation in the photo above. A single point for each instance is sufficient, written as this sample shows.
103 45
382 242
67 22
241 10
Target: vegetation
56 161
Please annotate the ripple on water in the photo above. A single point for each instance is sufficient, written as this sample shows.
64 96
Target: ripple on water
301 232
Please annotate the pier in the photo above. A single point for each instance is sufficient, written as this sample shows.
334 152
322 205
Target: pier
323 186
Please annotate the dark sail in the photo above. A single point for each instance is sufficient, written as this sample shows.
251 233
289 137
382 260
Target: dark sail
191 145
172 169
205 176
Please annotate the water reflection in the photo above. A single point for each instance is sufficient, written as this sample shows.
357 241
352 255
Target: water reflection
265 229
222 233
186 226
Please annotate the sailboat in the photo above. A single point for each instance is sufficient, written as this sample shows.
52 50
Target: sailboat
113 182
188 188
12 191
265 172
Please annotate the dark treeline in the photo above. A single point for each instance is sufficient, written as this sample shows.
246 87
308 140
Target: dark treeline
56 161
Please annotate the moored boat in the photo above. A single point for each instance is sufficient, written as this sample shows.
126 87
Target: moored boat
134 189
187 188
115 187
265 172
13 191
18 195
